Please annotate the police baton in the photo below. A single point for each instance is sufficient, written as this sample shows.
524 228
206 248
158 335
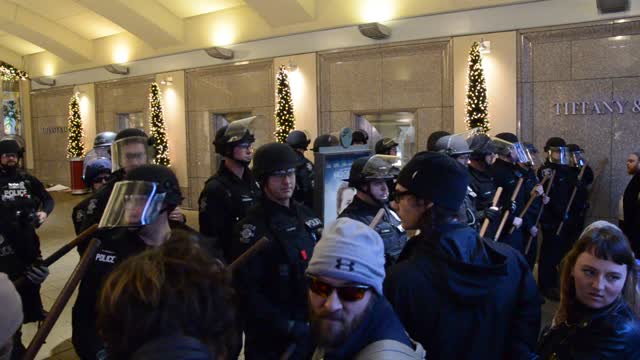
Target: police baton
494 203
532 198
530 240
376 220
573 196
258 246
290 350
82 237
62 300
514 196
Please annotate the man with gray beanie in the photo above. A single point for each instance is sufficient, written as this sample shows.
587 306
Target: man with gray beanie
350 318
459 295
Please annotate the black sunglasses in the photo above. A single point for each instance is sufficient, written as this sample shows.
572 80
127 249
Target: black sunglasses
398 195
348 293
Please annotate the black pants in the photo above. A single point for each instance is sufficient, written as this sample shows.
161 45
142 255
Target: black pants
552 251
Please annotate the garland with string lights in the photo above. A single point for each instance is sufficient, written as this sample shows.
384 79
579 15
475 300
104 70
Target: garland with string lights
477 115
158 130
285 121
75 146
9 72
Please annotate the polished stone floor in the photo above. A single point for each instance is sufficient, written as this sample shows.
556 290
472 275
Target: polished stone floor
57 231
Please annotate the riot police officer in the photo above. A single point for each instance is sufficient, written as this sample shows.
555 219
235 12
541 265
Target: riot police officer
299 141
272 283
386 146
136 218
359 137
554 247
24 205
369 176
229 193
506 173
325 140
434 137
130 150
101 146
483 155
97 173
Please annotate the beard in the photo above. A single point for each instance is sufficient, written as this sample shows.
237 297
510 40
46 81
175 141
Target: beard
331 330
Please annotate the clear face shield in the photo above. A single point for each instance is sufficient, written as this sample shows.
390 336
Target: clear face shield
516 151
238 129
533 159
131 152
559 155
577 159
132 204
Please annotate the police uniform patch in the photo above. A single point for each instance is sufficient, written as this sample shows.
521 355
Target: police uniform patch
247 233
547 172
93 204
203 204
309 166
80 216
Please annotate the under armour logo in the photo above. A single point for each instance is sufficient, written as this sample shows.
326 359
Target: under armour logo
347 265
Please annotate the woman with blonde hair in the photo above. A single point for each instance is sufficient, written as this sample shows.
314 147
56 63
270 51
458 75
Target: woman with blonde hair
597 317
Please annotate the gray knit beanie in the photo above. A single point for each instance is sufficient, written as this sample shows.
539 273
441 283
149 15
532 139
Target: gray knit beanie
350 251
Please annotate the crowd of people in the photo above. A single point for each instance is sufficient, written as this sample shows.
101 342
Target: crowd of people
431 259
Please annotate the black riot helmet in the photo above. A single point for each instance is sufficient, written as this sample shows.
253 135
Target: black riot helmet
10 146
384 146
577 158
433 139
298 139
557 151
104 139
232 135
369 168
325 140
359 137
273 157
481 145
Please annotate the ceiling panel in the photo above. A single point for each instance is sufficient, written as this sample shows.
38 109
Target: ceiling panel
189 8
18 45
90 25
52 9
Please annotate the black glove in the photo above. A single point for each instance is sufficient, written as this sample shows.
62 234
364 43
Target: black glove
491 214
298 330
37 273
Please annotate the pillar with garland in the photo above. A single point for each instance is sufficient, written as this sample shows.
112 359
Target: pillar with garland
285 121
75 146
477 115
158 130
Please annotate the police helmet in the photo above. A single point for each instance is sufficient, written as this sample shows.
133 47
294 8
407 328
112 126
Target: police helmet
481 145
9 146
164 177
434 137
452 145
104 139
95 168
273 157
359 136
225 141
325 140
555 142
383 146
297 139
368 168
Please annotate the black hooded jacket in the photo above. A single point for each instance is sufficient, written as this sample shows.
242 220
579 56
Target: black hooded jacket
466 298
631 208
173 348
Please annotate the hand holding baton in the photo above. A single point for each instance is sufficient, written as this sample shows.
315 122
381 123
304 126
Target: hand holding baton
532 198
494 203
547 190
573 196
514 196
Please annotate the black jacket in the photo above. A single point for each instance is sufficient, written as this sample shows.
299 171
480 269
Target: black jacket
380 323
272 283
631 208
560 193
223 202
305 174
482 185
390 227
89 211
466 298
609 333
175 347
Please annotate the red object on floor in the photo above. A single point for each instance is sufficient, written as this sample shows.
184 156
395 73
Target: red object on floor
77 184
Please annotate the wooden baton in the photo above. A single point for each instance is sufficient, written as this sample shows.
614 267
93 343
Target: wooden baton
532 198
258 246
530 240
61 301
514 196
376 220
494 202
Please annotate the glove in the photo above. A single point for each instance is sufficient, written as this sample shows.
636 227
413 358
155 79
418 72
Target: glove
517 222
37 273
533 231
298 330
538 189
545 199
492 213
512 207
42 216
177 215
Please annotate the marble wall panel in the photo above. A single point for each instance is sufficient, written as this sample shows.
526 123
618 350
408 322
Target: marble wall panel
125 96
593 132
552 61
231 87
355 83
447 119
336 120
199 144
626 28
606 57
626 133
428 120
410 80
193 193
525 110
525 55
569 34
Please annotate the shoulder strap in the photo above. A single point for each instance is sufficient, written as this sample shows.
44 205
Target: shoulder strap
391 350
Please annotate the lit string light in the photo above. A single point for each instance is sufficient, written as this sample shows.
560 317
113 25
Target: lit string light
158 131
75 146
477 115
9 73
285 120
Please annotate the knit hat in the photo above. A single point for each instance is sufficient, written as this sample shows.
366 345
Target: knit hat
11 314
350 251
437 178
